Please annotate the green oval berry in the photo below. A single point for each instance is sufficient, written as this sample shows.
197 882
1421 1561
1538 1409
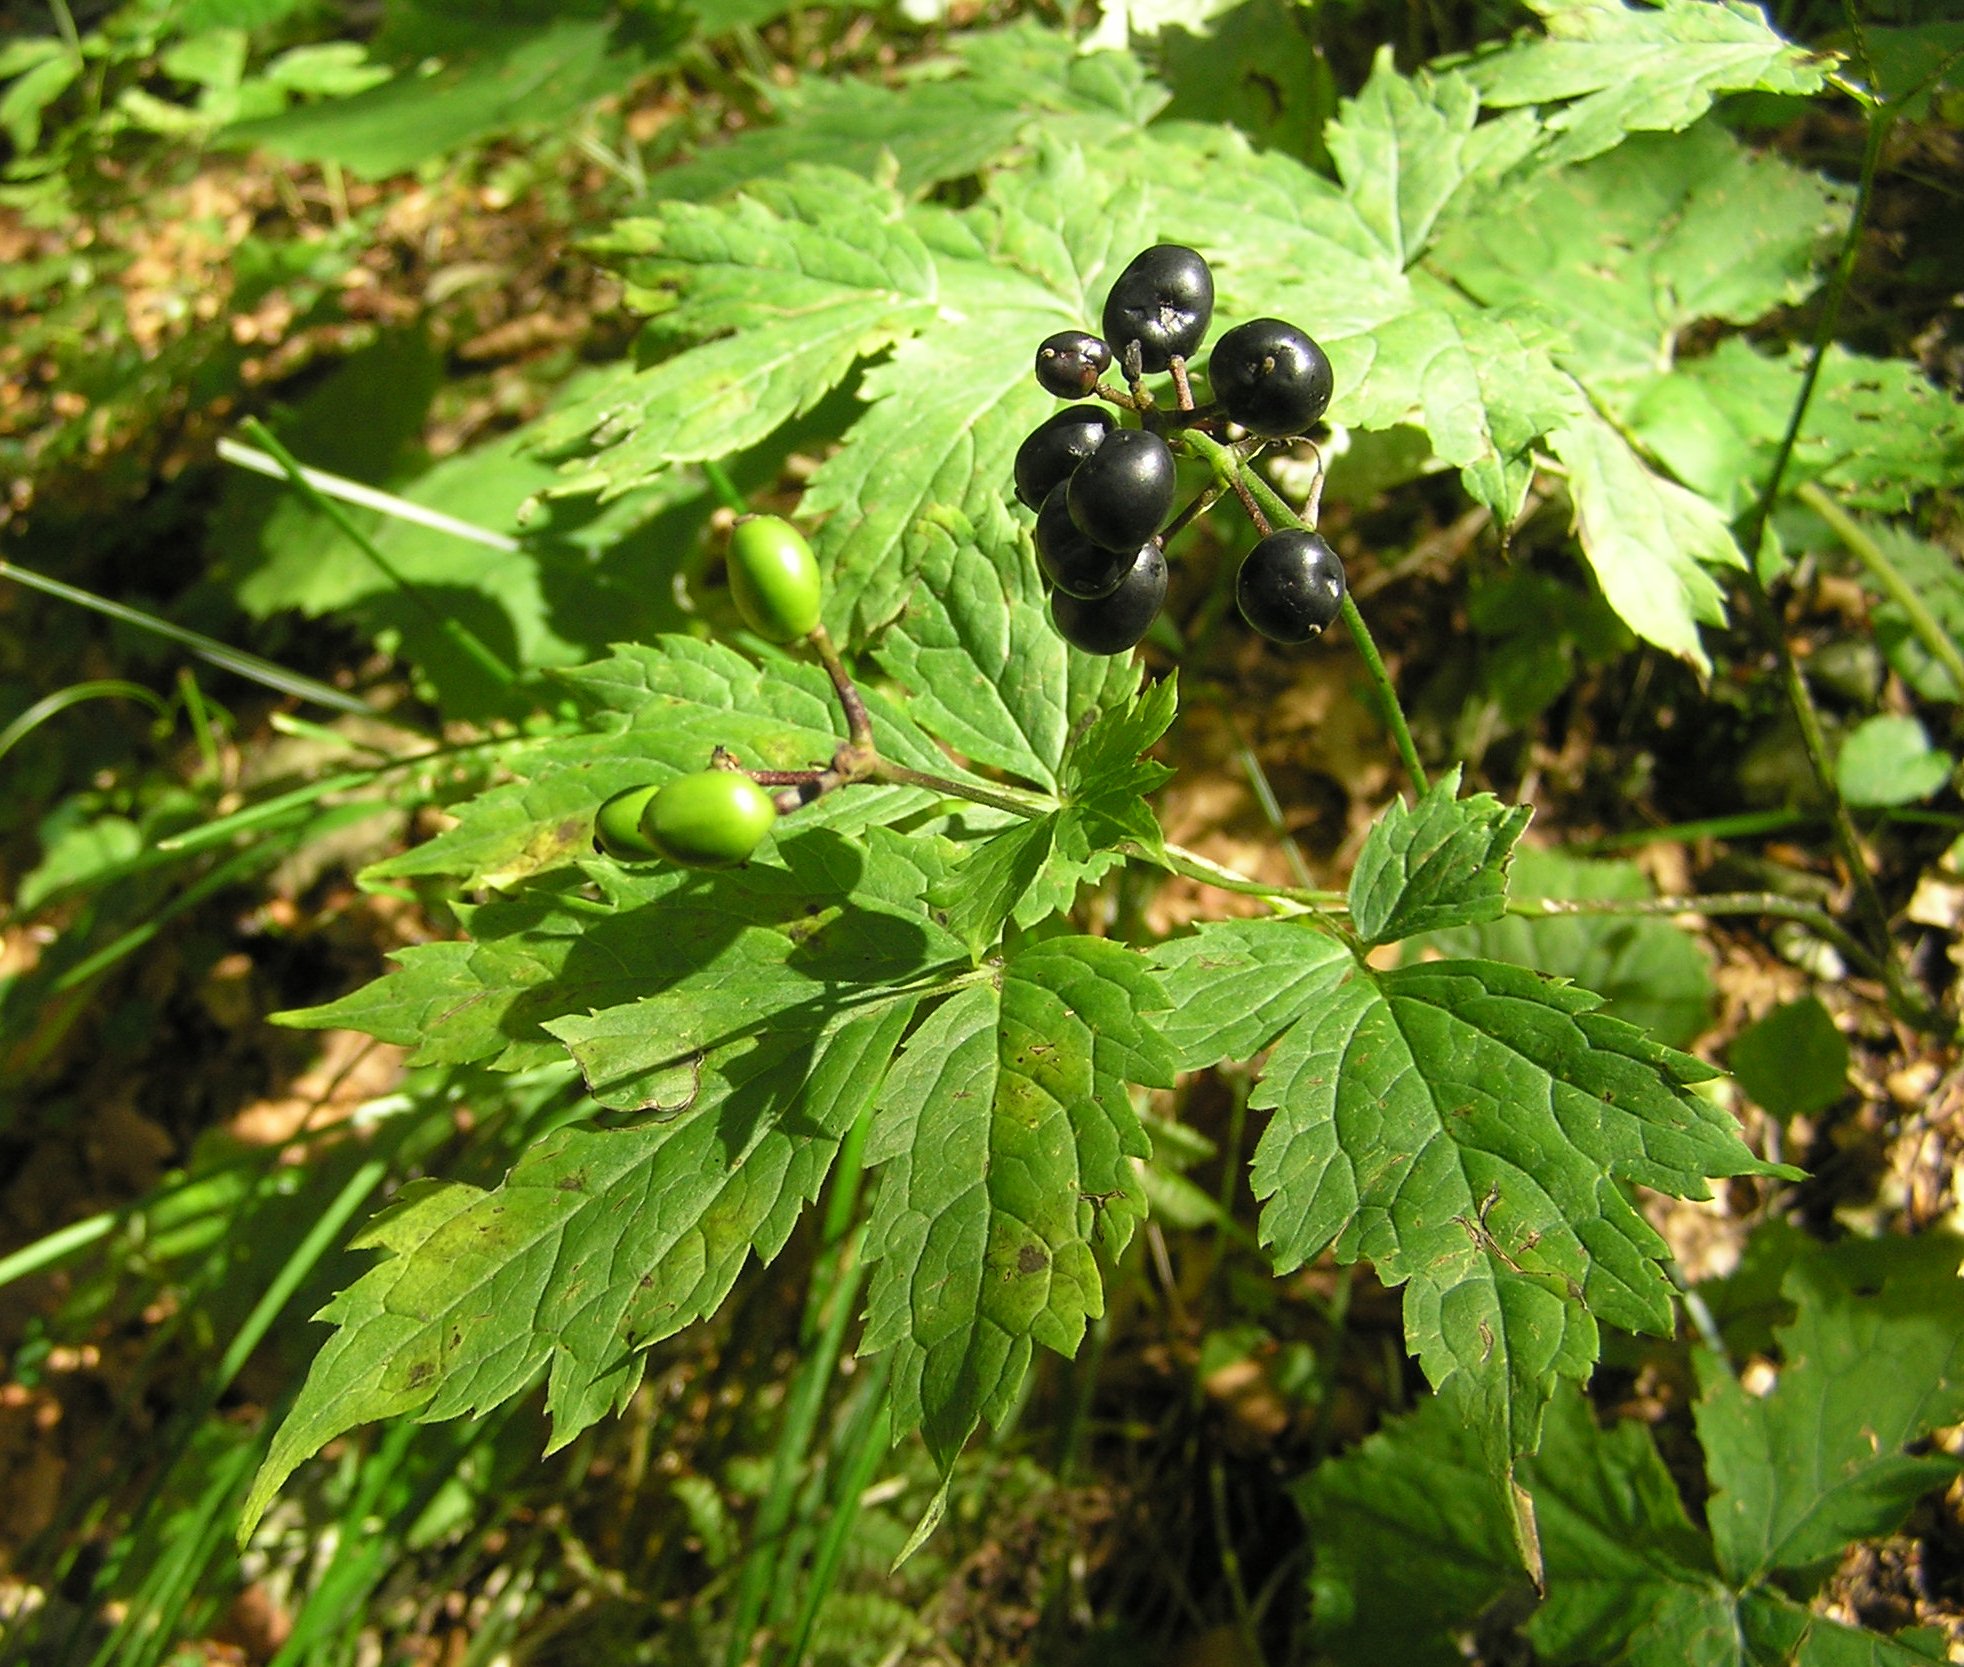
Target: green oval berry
617 825
713 819
774 578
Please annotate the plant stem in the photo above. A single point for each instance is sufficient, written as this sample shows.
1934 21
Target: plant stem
1401 735
1813 742
461 635
1862 545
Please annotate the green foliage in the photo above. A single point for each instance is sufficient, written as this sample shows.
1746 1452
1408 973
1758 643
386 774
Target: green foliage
1794 1061
1544 270
1795 1473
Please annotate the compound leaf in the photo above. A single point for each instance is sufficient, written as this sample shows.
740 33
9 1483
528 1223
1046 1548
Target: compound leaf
1006 1133
1440 862
1630 68
1467 1127
784 290
598 1243
1821 1459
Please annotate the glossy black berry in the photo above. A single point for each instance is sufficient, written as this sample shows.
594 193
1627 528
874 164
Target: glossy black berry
1069 560
1121 493
1163 301
1070 363
1114 623
1055 447
1290 586
1270 377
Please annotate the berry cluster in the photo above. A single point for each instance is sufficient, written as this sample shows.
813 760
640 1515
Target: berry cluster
1103 492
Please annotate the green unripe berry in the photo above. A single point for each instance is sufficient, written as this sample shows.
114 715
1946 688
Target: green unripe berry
774 578
617 825
713 819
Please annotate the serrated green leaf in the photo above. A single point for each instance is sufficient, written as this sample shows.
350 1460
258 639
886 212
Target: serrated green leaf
1005 1134
1629 1577
1821 1458
928 467
1888 760
1647 539
1463 1126
1635 68
1482 384
986 669
597 1244
837 917
1649 972
792 284
1404 146
1237 985
1624 254
1034 871
1440 862
1417 1498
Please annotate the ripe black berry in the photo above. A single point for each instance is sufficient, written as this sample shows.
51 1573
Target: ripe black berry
1121 493
1070 363
1055 447
1114 623
1163 301
1069 560
1290 586
1270 377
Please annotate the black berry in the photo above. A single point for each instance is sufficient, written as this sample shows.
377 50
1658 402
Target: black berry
1270 377
1163 301
1112 624
1055 447
1070 363
1290 586
1069 560
1120 494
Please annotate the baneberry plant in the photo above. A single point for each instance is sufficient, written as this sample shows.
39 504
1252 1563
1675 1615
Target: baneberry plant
888 970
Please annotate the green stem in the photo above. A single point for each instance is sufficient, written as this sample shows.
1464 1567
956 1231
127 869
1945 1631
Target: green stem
1227 466
461 636
1813 741
1013 800
1862 545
